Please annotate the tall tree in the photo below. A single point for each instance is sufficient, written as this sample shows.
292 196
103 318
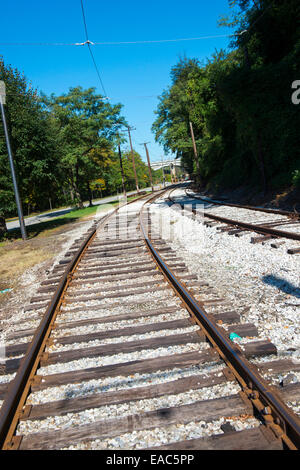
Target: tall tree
86 126
32 142
239 102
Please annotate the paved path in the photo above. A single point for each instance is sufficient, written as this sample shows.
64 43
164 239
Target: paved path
43 217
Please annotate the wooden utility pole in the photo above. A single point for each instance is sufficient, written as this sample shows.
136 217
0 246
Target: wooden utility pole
133 161
164 180
122 171
149 166
195 149
171 173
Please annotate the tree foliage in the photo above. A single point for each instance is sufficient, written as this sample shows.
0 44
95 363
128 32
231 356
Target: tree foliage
245 124
85 126
64 147
32 141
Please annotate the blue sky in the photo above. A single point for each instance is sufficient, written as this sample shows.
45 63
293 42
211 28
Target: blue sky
133 75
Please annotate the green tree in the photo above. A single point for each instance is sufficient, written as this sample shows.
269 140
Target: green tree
246 127
142 171
32 142
174 113
86 126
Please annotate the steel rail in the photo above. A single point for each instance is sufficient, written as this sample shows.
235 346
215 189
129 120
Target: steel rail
19 387
264 398
28 365
244 206
251 227
30 361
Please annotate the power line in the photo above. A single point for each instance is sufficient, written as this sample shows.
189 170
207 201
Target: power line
116 43
120 43
153 41
40 44
88 42
84 20
97 70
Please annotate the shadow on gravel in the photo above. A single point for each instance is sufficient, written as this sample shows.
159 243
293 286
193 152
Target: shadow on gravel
282 285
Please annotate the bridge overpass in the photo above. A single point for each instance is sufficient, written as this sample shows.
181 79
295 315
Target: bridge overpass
166 164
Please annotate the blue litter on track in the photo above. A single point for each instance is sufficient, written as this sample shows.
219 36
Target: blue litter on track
233 336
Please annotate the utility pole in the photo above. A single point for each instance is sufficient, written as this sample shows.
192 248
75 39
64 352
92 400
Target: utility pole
149 166
133 160
11 162
164 178
195 149
122 171
171 173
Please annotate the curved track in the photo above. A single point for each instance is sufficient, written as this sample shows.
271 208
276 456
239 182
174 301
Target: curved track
292 215
126 353
250 220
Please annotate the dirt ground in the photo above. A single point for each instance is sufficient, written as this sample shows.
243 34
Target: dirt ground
25 264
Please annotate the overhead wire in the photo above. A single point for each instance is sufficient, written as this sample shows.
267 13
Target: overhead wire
88 42
84 21
118 43
115 43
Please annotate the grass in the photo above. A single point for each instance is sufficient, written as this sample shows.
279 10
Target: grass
16 255
32 214
42 228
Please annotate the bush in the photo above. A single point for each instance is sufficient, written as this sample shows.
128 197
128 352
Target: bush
296 178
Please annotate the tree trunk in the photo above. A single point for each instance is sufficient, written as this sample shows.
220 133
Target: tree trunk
3 228
78 198
75 187
90 195
261 164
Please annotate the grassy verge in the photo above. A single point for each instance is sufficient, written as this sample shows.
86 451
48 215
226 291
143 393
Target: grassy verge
42 228
16 255
32 214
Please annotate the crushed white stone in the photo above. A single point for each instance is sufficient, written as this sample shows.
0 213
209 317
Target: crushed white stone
57 347
164 435
117 325
126 409
110 384
120 358
265 279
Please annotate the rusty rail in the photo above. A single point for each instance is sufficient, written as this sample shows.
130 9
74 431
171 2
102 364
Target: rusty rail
20 385
293 215
264 398
251 227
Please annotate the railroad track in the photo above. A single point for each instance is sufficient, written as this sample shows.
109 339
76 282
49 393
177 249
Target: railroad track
127 357
265 228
